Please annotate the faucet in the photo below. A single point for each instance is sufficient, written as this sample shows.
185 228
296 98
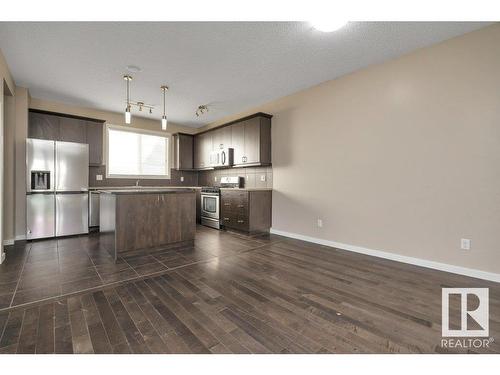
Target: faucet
137 183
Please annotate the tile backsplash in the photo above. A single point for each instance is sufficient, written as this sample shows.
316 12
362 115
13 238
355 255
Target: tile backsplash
256 177
190 179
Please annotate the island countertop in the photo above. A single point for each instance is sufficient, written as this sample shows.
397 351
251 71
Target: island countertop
147 191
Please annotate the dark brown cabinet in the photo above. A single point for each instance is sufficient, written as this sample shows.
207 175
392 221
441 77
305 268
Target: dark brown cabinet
253 141
247 211
221 138
202 150
238 142
183 151
94 138
43 126
72 130
57 127
250 138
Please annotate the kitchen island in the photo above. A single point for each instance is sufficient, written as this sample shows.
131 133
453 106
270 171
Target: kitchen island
137 221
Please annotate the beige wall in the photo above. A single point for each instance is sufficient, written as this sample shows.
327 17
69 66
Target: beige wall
5 74
22 100
7 89
401 157
9 156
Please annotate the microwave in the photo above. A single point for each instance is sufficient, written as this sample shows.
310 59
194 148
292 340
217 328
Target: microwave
222 158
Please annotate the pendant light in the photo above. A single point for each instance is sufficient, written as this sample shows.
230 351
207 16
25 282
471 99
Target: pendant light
164 89
128 114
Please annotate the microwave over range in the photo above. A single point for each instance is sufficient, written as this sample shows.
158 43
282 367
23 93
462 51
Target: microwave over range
222 158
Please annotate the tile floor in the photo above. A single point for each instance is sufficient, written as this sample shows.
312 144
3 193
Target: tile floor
44 269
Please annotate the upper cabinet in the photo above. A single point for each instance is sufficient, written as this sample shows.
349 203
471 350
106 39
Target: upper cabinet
202 150
43 126
72 130
221 138
57 127
238 141
250 138
183 151
252 141
94 140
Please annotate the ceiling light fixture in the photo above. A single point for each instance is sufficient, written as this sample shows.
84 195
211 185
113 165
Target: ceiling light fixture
328 25
128 115
164 89
202 109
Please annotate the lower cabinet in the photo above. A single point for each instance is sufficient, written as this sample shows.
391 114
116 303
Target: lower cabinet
246 210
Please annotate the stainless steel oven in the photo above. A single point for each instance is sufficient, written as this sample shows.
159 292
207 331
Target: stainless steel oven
210 207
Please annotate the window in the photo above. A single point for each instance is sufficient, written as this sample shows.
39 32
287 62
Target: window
136 153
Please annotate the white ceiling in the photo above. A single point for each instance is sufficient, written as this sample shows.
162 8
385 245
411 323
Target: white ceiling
233 66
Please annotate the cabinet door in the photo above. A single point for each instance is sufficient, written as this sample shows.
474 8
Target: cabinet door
183 149
238 142
94 140
72 130
198 152
221 138
252 140
207 149
217 140
43 126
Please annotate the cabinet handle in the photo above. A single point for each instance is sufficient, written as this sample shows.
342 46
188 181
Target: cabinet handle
227 204
226 219
241 221
240 206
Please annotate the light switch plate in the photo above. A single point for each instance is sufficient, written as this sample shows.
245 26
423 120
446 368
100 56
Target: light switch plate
182 178
215 178
98 177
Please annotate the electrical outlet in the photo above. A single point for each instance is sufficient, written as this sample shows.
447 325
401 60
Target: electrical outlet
215 178
182 178
98 177
263 177
465 244
320 223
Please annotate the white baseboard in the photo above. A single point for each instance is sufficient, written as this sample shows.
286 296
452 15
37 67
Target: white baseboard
396 257
8 242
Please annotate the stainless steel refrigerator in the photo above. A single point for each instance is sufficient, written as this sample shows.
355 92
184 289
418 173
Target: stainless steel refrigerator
57 182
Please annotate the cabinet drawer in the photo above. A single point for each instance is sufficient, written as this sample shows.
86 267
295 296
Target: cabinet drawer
235 221
235 201
234 206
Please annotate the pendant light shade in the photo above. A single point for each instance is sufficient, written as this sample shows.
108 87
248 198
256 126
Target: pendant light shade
128 114
164 89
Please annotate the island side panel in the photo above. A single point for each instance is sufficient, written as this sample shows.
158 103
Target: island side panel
152 221
107 223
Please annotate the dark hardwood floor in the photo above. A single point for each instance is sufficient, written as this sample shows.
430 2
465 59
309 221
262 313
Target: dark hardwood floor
227 294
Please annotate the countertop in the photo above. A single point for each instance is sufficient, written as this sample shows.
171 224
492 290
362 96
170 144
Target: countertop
148 191
248 189
106 188
154 188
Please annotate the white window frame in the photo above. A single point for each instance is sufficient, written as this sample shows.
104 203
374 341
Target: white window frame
139 131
